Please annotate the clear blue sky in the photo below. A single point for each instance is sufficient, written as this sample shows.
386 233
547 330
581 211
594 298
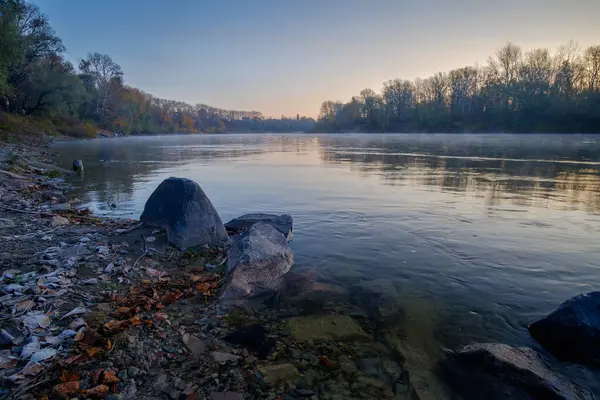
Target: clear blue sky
287 56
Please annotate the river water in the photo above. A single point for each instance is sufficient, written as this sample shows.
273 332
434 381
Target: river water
482 233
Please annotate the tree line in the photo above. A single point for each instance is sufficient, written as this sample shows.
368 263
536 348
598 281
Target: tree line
37 81
536 91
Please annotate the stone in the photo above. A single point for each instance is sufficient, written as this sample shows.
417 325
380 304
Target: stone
162 383
381 301
180 207
224 357
194 344
78 165
57 221
499 371
254 337
280 373
226 396
283 223
327 327
572 331
257 261
365 383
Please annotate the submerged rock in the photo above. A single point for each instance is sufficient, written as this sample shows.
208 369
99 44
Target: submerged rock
180 206
283 223
253 337
277 374
381 301
499 371
257 261
326 327
572 331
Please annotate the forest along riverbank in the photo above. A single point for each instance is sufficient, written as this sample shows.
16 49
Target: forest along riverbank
118 309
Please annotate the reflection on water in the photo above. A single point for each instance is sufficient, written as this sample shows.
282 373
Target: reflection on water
487 232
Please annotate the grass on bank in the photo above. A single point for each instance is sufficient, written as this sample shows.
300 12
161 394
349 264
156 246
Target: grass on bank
15 128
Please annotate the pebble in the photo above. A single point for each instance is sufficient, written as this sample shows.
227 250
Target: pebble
224 357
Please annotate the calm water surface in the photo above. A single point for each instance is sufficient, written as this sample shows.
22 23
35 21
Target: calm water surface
482 233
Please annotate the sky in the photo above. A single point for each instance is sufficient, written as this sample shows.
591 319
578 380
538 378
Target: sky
284 57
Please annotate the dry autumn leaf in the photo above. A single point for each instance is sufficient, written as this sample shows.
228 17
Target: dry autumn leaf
100 391
68 376
110 377
93 351
66 389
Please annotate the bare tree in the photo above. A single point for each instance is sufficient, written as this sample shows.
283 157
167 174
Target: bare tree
592 67
104 73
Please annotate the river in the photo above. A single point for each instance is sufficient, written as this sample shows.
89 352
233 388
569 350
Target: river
482 234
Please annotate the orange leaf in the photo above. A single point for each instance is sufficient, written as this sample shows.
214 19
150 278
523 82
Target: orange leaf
203 287
110 377
135 320
115 325
93 351
68 376
123 310
100 391
66 389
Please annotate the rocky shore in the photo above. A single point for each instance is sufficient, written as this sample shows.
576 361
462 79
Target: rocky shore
182 306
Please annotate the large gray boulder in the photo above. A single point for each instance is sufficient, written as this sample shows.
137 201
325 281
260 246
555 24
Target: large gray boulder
257 261
180 206
283 223
572 331
500 371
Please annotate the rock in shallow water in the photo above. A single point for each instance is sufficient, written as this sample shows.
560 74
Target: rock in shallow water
253 337
327 327
572 331
283 223
257 261
181 207
277 374
500 371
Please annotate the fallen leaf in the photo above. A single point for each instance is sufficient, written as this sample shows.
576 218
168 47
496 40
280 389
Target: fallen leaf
36 319
30 348
77 323
93 351
203 287
95 376
159 316
72 359
7 360
80 334
43 355
100 391
110 377
68 376
115 325
66 389
75 311
135 320
153 272
123 311
62 337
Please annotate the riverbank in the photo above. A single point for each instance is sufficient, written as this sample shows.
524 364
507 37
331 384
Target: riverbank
103 308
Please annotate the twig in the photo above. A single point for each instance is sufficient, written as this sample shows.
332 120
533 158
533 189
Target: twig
43 214
144 253
131 228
